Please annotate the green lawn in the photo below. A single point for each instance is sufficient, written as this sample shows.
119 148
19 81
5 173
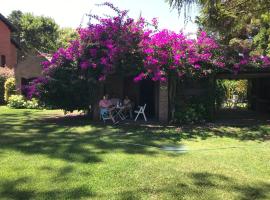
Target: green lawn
46 156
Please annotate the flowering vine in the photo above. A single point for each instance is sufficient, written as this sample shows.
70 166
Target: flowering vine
127 46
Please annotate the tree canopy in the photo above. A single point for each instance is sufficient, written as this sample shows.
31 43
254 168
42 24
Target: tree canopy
238 24
35 32
39 32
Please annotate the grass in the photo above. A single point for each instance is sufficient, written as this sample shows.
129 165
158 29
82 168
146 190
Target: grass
46 156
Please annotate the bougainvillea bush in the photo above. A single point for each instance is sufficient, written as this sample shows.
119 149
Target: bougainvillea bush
124 46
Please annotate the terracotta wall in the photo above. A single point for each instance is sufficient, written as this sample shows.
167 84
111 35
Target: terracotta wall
13 56
6 47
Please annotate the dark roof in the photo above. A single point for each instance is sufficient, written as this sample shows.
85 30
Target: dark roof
8 23
13 41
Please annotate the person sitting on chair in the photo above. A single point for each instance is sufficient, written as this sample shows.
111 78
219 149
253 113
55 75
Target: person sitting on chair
105 106
128 106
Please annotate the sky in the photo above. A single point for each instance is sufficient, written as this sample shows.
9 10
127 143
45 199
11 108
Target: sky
72 13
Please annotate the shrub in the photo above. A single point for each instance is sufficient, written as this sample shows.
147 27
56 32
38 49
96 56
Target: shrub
10 88
19 101
193 113
5 73
16 101
32 104
2 89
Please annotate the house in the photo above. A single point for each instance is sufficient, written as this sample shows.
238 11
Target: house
29 68
8 46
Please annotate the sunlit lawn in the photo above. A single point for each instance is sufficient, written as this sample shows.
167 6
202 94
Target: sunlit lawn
46 156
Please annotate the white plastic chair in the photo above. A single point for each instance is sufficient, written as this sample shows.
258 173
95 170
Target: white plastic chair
140 111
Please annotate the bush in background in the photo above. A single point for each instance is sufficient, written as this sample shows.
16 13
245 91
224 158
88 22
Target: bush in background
193 113
19 101
5 73
227 89
10 88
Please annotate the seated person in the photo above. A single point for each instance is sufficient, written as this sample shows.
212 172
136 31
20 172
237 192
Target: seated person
115 101
105 106
128 106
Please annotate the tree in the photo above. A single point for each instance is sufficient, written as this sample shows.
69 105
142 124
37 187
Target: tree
240 6
234 20
65 36
15 17
35 32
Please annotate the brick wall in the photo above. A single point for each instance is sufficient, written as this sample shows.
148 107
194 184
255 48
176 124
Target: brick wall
6 47
30 67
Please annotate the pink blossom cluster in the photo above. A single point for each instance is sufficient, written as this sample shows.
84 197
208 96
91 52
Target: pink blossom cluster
32 90
248 61
167 51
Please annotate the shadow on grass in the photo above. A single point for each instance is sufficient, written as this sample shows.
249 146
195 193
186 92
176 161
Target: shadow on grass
59 138
197 185
203 185
17 189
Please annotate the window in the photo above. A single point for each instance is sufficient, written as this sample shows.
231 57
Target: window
3 61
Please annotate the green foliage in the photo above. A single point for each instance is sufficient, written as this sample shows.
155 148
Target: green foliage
220 94
10 88
5 73
262 40
235 87
65 36
19 101
16 101
192 113
35 32
2 89
15 18
69 89
226 89
32 104
238 20
194 101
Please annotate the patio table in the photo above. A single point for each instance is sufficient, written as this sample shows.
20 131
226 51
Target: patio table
120 112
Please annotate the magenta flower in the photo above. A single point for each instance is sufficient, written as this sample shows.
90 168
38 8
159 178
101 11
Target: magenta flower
102 78
84 64
93 52
103 61
155 22
197 66
140 77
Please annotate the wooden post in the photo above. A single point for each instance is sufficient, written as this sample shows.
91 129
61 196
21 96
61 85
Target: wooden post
100 93
163 102
212 96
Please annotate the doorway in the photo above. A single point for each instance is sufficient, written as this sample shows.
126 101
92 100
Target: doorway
147 96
